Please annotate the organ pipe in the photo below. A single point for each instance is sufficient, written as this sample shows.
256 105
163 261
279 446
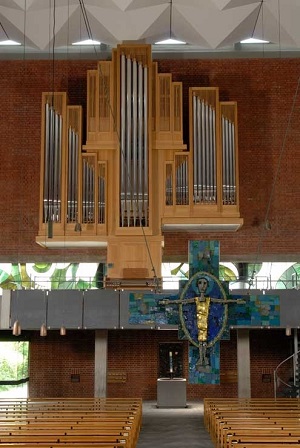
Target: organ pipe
88 195
204 154
134 143
52 165
126 165
228 155
72 194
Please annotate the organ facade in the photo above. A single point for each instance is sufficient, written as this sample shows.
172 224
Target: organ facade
134 178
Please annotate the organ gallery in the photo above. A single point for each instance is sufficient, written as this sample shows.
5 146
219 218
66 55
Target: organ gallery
134 178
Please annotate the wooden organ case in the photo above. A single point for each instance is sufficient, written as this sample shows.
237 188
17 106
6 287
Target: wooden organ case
135 179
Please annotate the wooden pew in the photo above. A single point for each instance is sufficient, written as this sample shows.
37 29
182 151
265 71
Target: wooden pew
223 416
75 422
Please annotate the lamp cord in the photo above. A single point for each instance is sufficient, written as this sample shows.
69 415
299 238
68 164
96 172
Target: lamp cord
279 162
106 92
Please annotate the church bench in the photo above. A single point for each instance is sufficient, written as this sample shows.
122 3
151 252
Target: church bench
110 421
250 423
275 432
268 414
261 440
217 404
77 440
67 445
219 412
289 427
262 445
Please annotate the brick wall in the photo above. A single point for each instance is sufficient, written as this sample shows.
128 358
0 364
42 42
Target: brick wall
264 90
135 352
56 361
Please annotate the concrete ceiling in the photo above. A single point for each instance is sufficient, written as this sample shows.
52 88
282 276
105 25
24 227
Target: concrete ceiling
210 27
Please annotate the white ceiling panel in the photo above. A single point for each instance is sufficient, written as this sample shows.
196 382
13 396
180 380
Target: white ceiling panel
210 26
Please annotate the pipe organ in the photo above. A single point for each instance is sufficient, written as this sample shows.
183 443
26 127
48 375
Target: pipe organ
135 178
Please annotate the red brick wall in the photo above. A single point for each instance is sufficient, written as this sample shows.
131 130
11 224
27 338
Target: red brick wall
267 350
264 90
53 359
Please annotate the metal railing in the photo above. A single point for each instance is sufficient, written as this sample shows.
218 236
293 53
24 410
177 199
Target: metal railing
168 283
291 388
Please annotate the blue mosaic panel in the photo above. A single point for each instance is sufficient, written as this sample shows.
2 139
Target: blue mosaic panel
259 310
204 256
144 308
211 377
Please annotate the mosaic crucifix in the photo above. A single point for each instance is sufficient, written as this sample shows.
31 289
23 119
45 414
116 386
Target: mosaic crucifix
201 310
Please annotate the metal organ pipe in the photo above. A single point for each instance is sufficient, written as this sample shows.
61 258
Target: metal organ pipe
145 192
134 143
128 180
204 157
228 152
195 154
140 142
46 165
88 197
101 201
123 139
73 151
52 165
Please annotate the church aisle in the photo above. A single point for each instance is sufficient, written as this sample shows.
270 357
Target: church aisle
173 428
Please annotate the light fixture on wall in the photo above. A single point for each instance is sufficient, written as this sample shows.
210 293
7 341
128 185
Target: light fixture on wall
170 40
43 330
16 331
288 331
63 331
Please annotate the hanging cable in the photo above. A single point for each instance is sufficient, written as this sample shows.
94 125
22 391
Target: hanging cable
106 93
86 20
4 30
266 223
171 7
257 17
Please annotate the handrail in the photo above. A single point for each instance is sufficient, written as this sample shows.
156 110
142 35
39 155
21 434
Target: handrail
276 377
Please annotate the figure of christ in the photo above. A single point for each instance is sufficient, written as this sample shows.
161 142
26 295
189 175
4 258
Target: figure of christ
202 303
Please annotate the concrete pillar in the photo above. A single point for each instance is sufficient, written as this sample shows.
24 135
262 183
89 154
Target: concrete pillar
243 363
100 362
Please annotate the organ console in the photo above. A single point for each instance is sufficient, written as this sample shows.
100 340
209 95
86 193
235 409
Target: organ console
135 178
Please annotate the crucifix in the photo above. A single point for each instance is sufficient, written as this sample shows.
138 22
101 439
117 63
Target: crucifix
202 302
201 312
